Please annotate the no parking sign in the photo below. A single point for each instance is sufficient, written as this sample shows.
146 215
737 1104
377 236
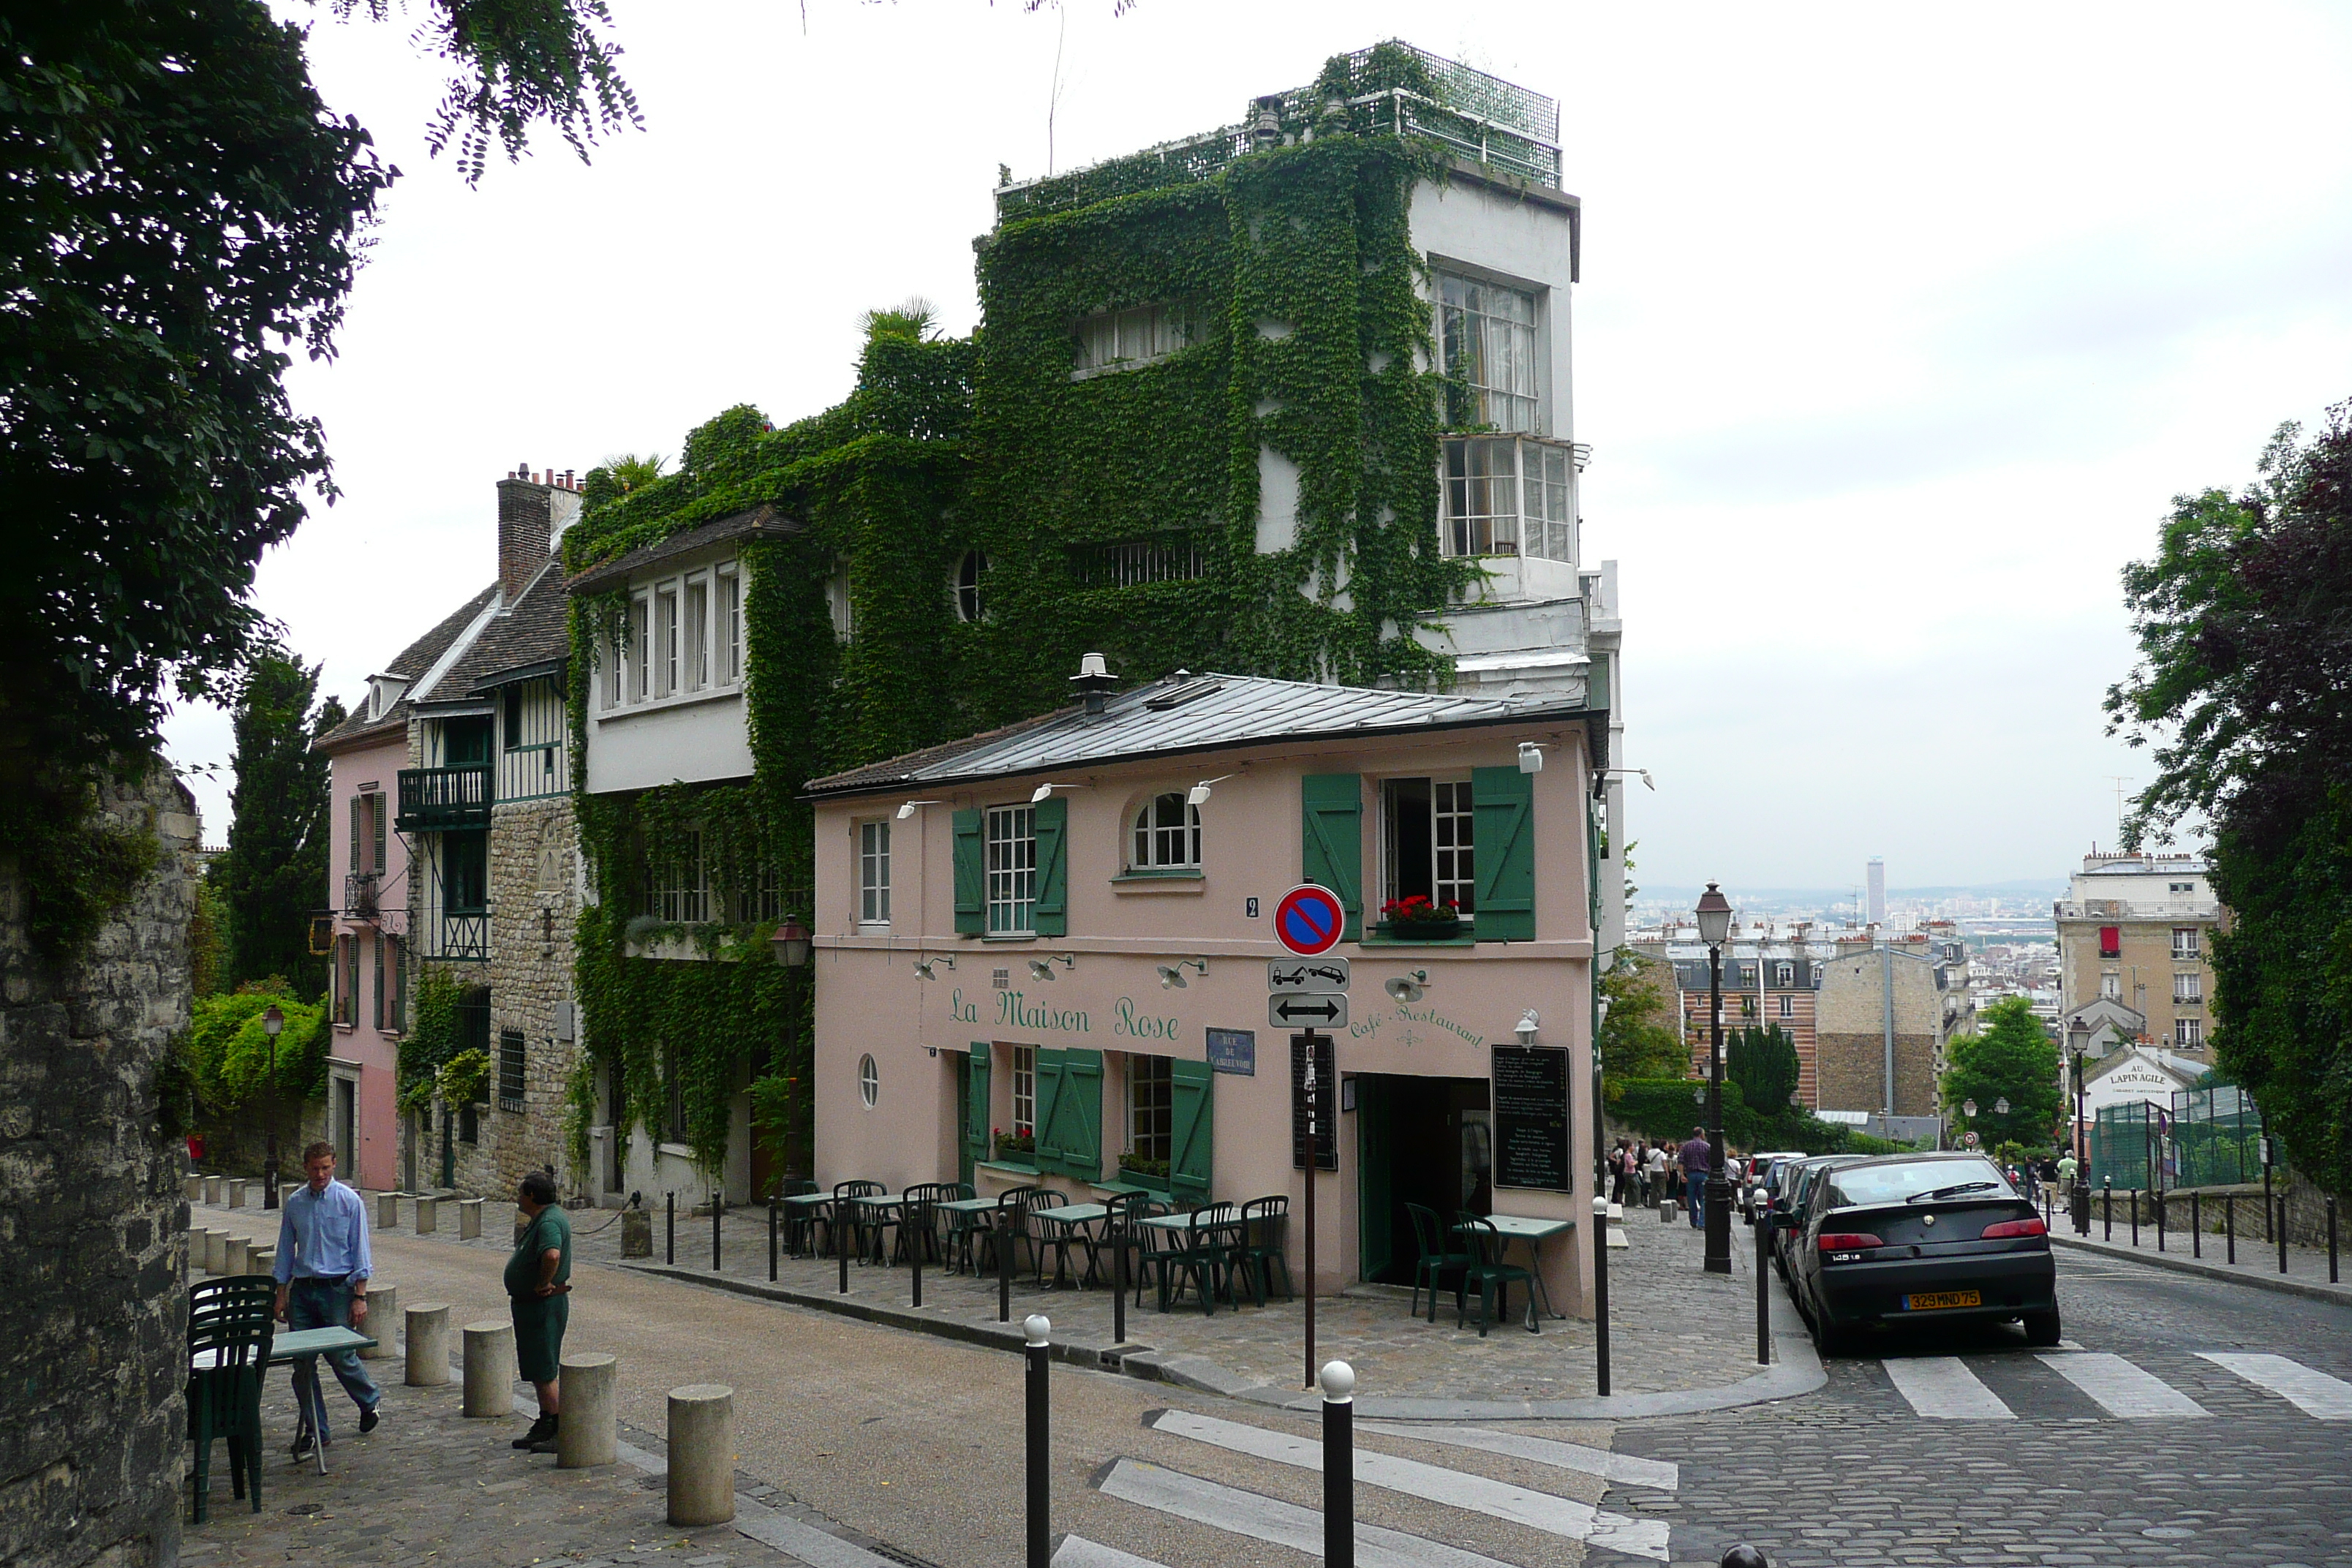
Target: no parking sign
1309 919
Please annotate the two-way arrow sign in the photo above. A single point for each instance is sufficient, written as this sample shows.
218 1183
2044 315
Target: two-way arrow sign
1297 1012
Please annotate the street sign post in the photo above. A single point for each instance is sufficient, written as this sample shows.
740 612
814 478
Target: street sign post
1307 1012
1314 1141
1309 919
1326 977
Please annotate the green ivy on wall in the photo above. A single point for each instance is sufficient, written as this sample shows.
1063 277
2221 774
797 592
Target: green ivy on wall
1309 334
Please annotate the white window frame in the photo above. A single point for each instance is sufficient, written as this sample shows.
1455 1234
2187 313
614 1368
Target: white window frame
681 902
971 564
1453 867
2111 985
873 851
665 612
1787 1006
1475 341
1155 845
641 650
2186 942
1023 1082
694 631
1784 974
1154 1073
726 607
1129 338
1010 858
2188 1032
2188 985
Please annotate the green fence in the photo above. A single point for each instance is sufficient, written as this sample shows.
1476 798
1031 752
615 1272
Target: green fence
2206 1137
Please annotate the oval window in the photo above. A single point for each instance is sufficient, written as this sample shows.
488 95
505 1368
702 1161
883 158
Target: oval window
967 584
870 1081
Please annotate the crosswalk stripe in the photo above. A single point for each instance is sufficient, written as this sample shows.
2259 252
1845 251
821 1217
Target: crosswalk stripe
1432 1483
2314 1393
1271 1519
2120 1388
1626 1470
1077 1551
1943 1389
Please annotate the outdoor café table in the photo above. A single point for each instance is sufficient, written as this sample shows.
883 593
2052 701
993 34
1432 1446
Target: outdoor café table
1061 1226
1514 1228
1174 1224
287 1349
963 1214
876 1210
802 1209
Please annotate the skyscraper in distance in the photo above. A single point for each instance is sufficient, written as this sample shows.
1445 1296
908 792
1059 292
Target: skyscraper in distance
1878 891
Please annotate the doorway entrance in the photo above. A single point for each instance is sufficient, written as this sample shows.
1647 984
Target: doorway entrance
1426 1141
346 1132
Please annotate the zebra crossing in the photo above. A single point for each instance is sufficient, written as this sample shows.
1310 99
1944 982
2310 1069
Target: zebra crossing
1251 1515
1946 1388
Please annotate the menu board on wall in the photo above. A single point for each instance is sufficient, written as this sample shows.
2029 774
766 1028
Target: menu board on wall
1531 1118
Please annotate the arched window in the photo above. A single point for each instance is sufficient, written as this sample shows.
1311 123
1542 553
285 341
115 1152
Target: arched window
1168 832
967 584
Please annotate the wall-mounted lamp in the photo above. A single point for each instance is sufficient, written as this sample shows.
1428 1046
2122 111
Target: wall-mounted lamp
907 810
1531 757
1526 1028
1044 790
1408 987
1043 968
1171 975
929 967
1620 772
1198 794
792 943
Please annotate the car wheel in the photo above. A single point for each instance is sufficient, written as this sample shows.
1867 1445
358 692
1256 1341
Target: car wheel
2042 1328
1828 1338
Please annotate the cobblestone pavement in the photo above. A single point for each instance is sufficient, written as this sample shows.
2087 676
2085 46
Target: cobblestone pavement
2257 1261
1675 1326
1858 1476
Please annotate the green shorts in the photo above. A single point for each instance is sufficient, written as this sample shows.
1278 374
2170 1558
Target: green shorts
539 1335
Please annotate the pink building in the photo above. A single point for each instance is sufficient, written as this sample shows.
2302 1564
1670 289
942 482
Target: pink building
1042 957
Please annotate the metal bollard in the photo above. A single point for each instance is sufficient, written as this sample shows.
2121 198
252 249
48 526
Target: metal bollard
1003 1267
1040 1500
701 1453
1600 1291
2195 1225
1763 1282
1338 1381
2230 1222
669 1228
2107 1206
914 1240
2331 1243
428 1345
718 1207
586 1433
2135 1206
2160 1219
776 1208
1743 1556
841 1243
489 1368
2281 1232
1119 1277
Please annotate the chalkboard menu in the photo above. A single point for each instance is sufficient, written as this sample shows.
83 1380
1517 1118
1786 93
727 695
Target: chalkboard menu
1531 1118
1314 1099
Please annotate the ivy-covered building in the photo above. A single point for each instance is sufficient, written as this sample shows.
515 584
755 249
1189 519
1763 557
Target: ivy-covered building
1290 399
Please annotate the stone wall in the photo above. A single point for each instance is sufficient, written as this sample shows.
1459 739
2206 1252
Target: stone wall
1853 1071
93 1241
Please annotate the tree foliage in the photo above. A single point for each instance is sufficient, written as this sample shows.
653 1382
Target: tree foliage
1639 1038
232 1060
2010 1057
1763 1061
2244 688
275 871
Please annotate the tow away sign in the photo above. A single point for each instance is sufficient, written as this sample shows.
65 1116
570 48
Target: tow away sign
1324 976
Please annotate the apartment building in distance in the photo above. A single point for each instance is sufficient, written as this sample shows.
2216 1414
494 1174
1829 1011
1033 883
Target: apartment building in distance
1911 991
2137 929
1765 980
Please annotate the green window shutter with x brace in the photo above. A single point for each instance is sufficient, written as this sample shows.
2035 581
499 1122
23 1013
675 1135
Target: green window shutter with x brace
976 1104
1052 913
1192 1148
1331 842
1503 840
970 879
1077 1115
1048 1107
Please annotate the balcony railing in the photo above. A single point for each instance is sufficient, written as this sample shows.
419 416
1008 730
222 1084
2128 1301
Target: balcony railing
435 800
1509 495
360 895
460 939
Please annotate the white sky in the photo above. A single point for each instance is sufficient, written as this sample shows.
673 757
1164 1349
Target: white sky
1899 329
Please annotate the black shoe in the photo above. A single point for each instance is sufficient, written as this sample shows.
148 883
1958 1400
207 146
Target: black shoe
545 1446
369 1419
303 1443
541 1431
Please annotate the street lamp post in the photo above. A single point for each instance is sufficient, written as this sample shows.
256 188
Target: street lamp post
1714 913
273 1019
2078 1202
791 944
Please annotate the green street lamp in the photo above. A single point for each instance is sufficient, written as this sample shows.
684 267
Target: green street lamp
273 1021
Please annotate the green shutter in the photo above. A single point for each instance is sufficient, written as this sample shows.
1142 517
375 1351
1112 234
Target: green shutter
1053 914
1077 1115
376 814
971 878
356 867
1331 850
976 1104
1503 838
1048 1106
1194 1144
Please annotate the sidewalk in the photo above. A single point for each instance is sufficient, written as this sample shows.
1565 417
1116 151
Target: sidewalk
2257 1265
1681 1339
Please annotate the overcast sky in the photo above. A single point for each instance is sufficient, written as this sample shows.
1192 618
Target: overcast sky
1899 328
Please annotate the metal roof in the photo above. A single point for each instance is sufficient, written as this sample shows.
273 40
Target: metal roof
1186 713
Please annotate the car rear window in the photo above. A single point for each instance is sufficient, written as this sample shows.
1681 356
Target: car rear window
1896 1184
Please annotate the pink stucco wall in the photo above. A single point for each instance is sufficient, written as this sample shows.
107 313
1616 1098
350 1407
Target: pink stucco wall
372 766
870 999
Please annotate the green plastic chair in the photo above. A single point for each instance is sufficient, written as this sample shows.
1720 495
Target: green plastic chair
1494 1277
1437 1259
230 1328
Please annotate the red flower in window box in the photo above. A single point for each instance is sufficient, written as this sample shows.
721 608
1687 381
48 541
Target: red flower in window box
1420 916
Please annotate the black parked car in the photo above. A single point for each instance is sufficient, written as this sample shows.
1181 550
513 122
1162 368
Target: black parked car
1916 1238
1791 1181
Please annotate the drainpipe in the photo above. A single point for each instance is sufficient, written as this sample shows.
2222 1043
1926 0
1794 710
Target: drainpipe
1887 1016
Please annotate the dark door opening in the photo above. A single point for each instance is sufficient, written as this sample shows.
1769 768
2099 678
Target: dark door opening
1420 1141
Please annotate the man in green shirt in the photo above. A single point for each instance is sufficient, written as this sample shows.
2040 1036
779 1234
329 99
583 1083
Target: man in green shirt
539 1283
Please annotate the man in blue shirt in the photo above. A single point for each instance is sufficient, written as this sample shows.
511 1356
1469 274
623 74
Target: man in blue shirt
1698 1159
322 1272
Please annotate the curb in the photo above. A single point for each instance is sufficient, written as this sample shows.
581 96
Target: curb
1796 1369
2284 1285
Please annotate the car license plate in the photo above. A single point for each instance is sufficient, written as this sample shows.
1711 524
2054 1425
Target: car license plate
1927 1301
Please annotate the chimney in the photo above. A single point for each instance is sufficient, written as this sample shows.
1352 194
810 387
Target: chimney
526 531
1094 682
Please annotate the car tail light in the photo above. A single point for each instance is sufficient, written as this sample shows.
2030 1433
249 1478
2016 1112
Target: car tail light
2015 1227
1839 1241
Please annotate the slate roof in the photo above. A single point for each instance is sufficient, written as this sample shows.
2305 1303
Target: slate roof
1181 713
530 634
760 522
412 661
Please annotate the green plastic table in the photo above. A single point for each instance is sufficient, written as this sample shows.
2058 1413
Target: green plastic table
1514 1228
288 1348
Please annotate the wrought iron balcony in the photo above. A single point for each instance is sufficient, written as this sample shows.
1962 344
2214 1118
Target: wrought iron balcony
458 938
360 895
436 800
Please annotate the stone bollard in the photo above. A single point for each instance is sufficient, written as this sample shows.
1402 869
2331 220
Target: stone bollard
469 1218
388 1211
636 1233
428 1216
702 1455
383 1318
261 1260
233 1259
193 1188
586 1433
489 1368
427 1344
237 1192
213 1185
216 1252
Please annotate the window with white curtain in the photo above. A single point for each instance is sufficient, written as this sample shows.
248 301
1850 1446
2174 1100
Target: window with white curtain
1123 340
1486 333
